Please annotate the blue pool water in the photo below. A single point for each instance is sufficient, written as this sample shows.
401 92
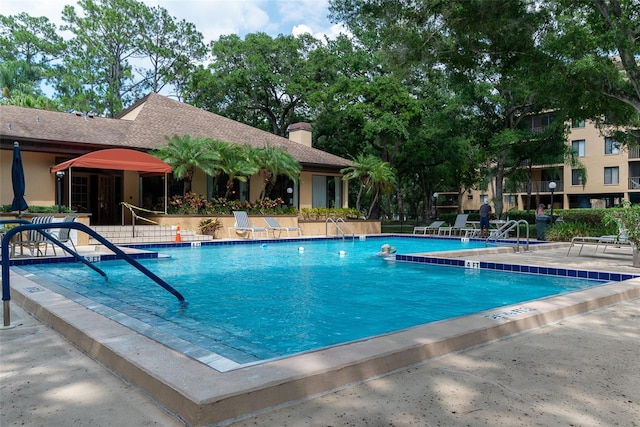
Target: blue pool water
257 301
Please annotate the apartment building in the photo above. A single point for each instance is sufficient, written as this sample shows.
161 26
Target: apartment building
612 175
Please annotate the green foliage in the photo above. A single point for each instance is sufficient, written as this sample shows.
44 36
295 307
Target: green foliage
259 80
195 204
37 209
374 176
210 226
274 162
185 155
334 213
568 223
565 231
627 220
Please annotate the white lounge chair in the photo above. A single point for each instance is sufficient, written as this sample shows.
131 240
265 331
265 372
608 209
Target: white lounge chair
273 225
63 234
431 228
458 226
244 227
618 241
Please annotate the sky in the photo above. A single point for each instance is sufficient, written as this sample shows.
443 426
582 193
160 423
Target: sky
214 18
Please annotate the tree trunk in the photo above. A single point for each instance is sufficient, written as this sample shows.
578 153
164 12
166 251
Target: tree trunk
497 202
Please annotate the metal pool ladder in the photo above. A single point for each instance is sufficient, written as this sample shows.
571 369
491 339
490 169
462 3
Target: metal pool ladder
504 230
338 229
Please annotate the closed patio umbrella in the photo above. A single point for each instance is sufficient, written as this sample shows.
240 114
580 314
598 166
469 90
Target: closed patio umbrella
17 179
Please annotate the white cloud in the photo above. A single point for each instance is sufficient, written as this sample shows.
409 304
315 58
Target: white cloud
214 18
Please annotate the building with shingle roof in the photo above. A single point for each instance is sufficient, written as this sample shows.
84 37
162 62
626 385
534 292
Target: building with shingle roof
48 138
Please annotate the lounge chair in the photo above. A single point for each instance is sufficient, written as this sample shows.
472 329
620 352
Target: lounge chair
63 234
34 239
273 225
431 228
618 241
459 226
244 227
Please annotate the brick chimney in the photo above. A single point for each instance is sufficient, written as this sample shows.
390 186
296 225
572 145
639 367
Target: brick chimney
300 133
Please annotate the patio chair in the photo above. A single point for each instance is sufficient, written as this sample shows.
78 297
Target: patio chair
459 226
620 240
244 227
35 239
273 225
431 228
63 234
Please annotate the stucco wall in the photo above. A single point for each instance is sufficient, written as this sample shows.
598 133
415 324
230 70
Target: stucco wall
40 184
309 228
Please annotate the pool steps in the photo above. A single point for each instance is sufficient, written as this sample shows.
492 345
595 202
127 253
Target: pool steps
118 235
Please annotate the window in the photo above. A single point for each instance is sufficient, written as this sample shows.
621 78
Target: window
576 177
538 123
611 146
510 199
578 147
326 192
577 123
612 175
483 198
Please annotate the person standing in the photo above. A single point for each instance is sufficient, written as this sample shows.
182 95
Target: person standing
540 210
485 213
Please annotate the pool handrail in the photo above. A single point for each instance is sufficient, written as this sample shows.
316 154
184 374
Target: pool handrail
54 240
504 230
338 229
5 261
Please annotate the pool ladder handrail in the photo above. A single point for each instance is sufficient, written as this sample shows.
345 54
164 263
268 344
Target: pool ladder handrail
504 230
5 261
335 222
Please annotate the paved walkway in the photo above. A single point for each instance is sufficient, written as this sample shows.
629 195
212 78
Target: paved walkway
584 371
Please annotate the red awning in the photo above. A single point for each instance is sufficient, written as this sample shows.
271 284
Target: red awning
118 159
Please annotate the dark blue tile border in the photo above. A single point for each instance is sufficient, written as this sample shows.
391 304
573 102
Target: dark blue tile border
601 276
90 258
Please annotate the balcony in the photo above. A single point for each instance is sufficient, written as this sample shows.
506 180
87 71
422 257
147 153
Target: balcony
634 153
544 186
541 187
634 183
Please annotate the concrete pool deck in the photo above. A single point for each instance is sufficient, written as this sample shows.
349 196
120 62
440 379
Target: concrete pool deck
580 369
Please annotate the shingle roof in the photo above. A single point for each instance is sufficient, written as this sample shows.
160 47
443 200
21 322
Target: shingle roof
145 125
54 126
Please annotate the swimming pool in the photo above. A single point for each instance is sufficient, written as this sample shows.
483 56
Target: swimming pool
253 302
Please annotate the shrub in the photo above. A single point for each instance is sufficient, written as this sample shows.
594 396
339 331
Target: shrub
209 226
194 204
37 209
334 213
565 231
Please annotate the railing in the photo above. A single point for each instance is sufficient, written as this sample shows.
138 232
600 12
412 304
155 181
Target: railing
338 229
634 152
5 262
503 232
135 216
634 183
540 186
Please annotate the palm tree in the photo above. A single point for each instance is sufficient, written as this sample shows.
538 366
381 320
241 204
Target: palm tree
185 155
360 170
237 162
220 148
274 162
374 175
382 178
